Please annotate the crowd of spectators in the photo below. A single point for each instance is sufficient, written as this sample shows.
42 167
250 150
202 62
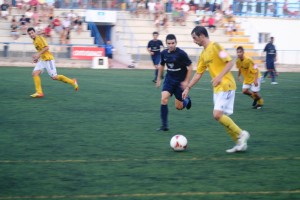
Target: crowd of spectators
41 17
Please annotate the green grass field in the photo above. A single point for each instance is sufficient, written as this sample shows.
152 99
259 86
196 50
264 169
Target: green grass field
101 143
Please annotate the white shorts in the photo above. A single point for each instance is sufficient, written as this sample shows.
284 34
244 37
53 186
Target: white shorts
4 13
252 87
224 101
48 65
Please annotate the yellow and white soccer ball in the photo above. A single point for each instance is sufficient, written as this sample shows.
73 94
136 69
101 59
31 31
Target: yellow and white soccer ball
178 143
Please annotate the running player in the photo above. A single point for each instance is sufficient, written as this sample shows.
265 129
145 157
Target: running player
179 70
154 48
219 63
251 75
45 60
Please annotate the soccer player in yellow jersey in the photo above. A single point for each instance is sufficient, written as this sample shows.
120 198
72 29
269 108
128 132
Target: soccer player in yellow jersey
252 76
219 63
45 60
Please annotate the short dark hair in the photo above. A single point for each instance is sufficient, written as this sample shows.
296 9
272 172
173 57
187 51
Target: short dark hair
198 30
30 29
171 37
240 48
154 33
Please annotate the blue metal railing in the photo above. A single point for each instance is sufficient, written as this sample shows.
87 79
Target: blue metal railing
95 33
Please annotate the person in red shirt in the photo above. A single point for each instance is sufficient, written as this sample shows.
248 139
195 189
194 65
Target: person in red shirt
47 32
211 23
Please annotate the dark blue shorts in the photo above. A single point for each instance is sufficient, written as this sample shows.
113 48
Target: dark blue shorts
173 87
109 56
270 65
156 59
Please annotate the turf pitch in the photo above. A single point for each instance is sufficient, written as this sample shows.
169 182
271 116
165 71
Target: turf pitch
101 143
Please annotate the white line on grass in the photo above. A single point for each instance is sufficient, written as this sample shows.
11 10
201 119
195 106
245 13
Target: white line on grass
149 159
164 194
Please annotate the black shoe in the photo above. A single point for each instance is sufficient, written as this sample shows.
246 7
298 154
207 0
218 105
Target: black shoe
189 105
257 107
254 102
154 81
162 128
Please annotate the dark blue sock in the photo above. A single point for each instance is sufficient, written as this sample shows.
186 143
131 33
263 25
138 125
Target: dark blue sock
266 73
273 76
186 101
164 115
155 74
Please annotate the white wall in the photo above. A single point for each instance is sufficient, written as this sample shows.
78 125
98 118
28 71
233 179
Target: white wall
285 31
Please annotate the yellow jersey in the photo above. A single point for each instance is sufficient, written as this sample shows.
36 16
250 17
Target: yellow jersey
39 43
248 69
215 58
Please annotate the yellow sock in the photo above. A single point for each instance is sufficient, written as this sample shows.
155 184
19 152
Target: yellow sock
38 85
65 79
260 101
233 129
253 96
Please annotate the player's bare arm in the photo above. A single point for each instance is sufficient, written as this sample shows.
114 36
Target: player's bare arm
159 75
217 80
194 80
239 76
187 77
37 55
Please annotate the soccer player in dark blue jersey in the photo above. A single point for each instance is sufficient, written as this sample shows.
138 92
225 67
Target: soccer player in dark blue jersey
179 70
154 48
270 60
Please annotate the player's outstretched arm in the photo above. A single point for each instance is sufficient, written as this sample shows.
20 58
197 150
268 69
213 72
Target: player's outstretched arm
194 80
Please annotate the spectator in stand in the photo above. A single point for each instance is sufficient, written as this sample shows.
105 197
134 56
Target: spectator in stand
23 25
165 23
231 28
219 17
39 29
132 8
185 8
35 17
4 10
14 29
175 16
71 16
47 32
20 5
66 36
78 25
204 21
159 7
182 17
157 21
51 15
33 4
197 20
151 8
28 15
66 23
141 8
207 7
192 6
58 27
211 23
228 14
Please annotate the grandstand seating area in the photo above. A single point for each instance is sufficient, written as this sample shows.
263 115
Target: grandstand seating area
133 33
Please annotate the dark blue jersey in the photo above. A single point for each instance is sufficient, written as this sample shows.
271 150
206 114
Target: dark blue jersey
177 62
271 52
155 46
